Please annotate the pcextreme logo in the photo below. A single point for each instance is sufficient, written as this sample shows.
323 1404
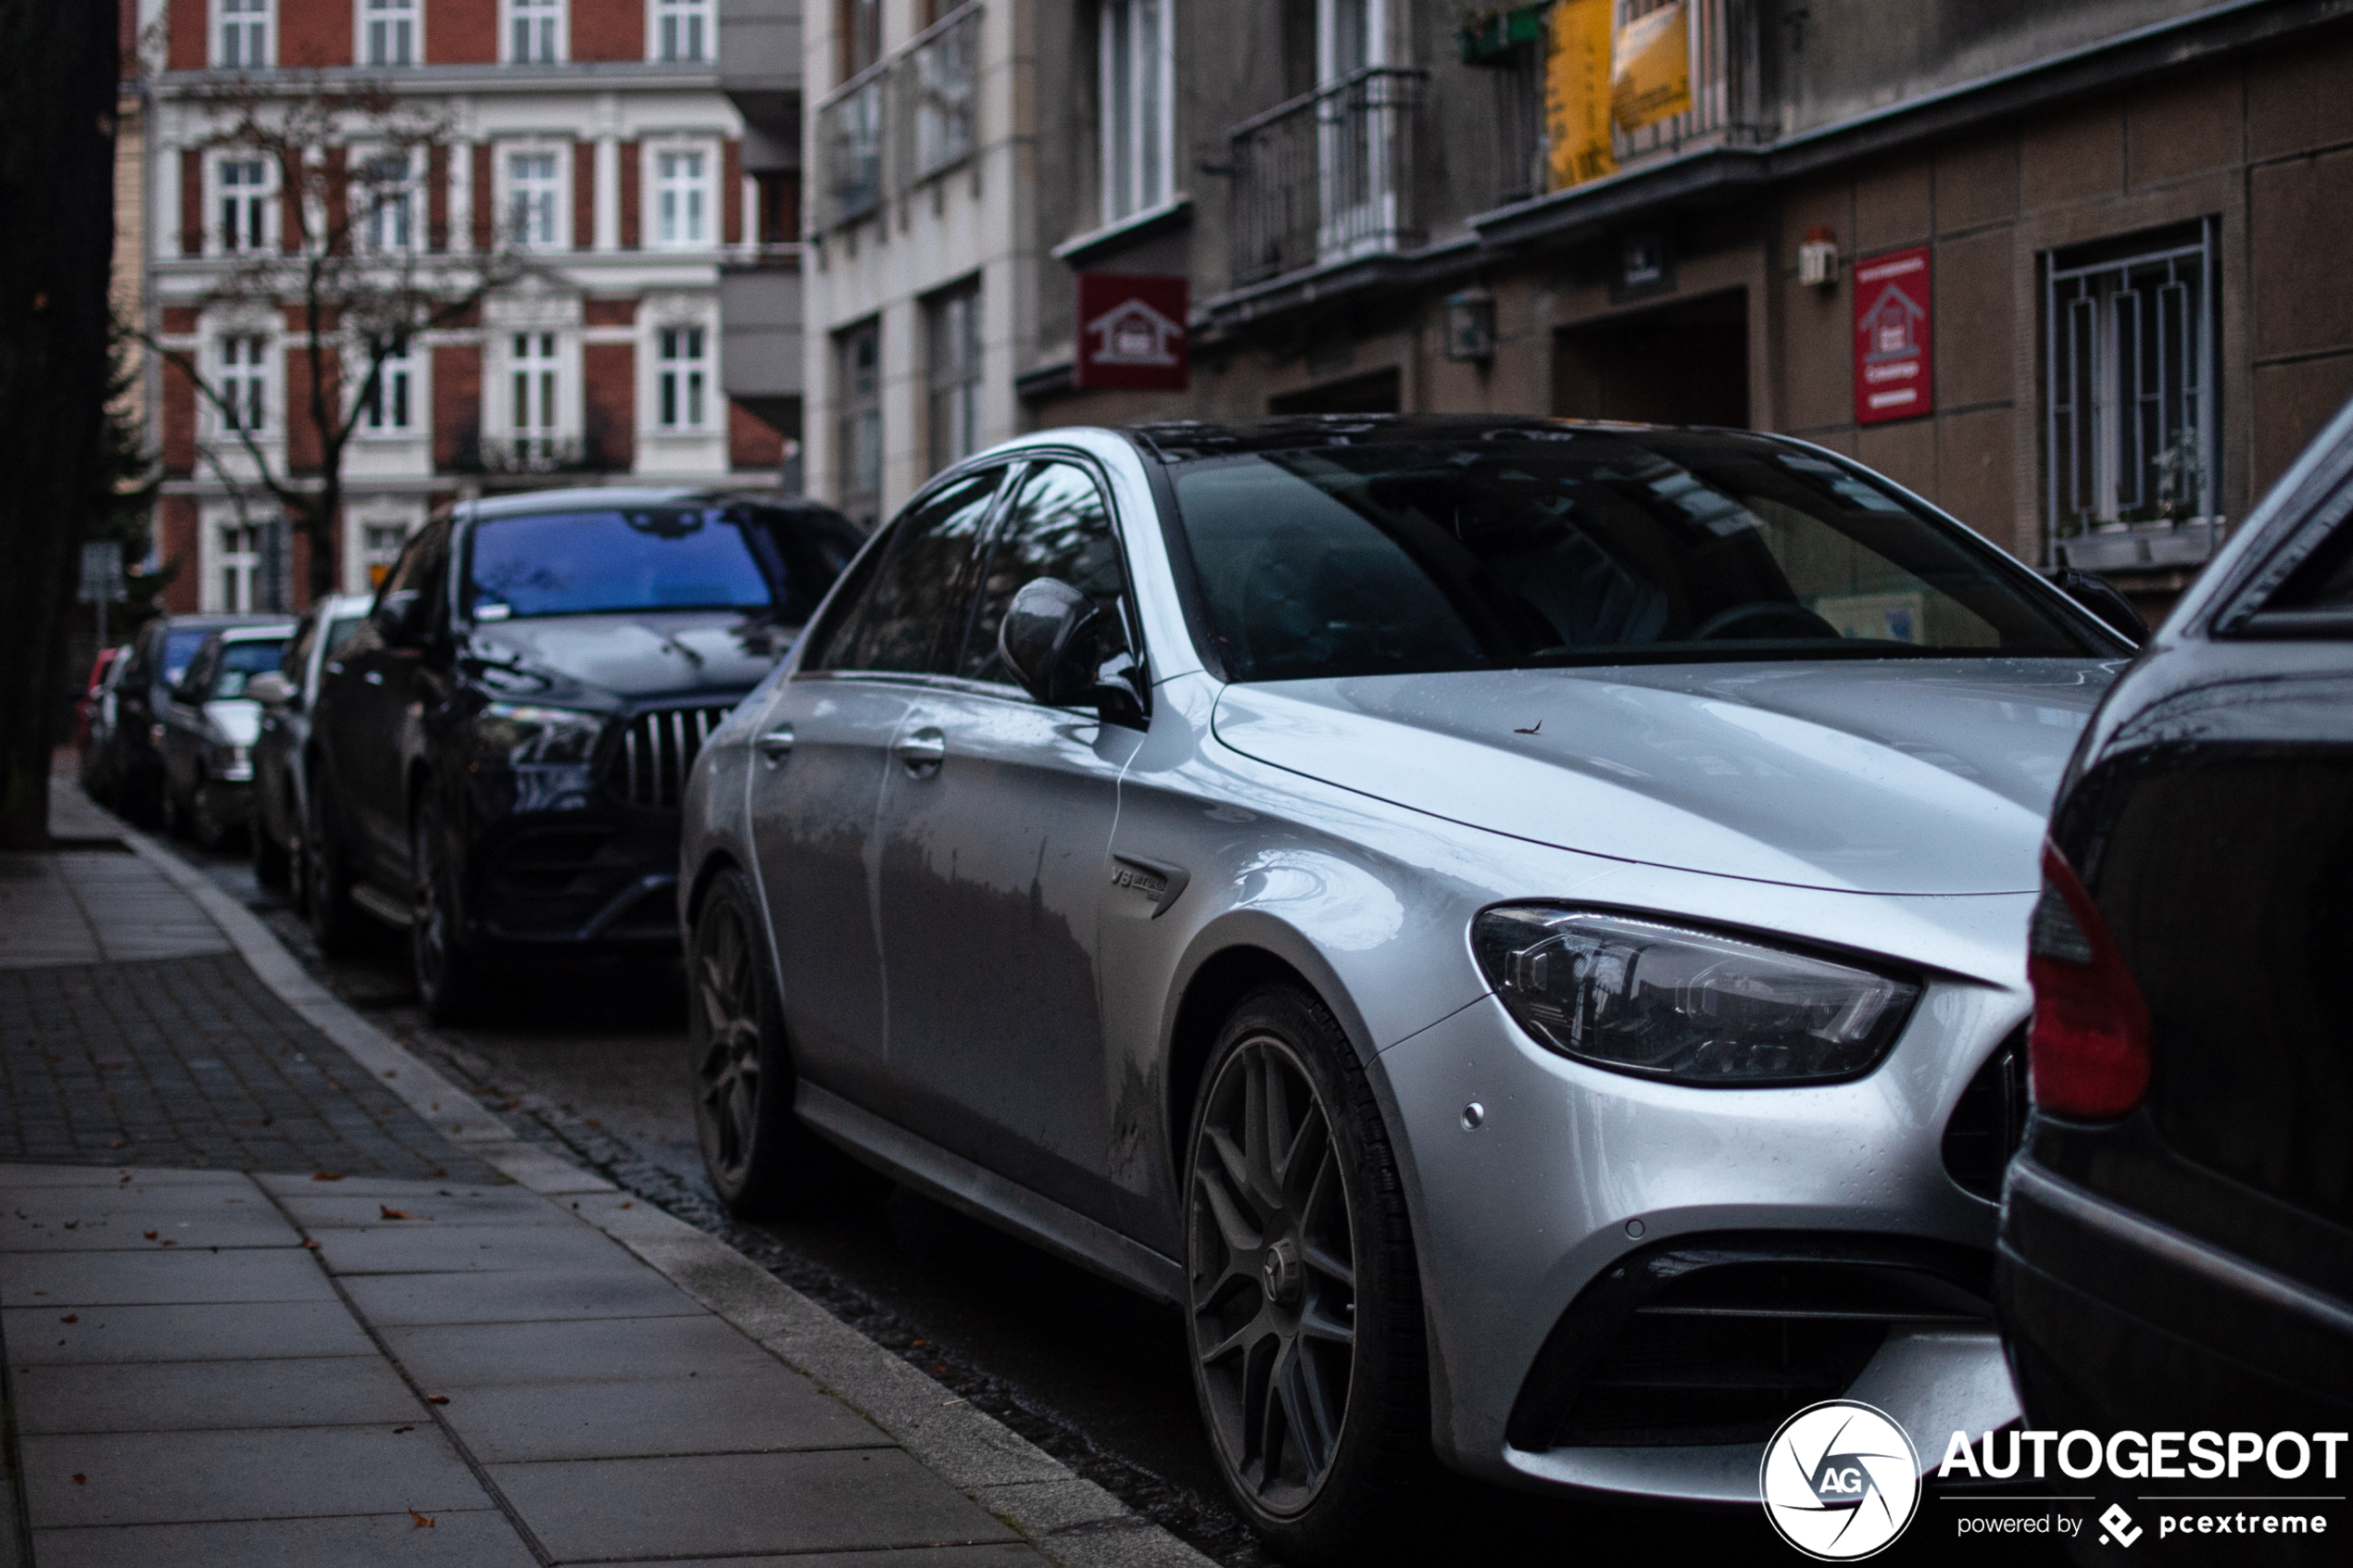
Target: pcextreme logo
1840 1480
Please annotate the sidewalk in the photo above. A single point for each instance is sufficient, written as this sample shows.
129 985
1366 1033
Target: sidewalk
311 1326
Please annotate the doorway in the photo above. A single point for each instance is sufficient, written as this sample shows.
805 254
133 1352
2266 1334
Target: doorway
1683 364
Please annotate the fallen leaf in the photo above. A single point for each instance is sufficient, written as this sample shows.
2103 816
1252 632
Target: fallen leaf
436 1399
624 1206
326 1175
935 1367
114 1142
79 1479
398 1430
944 1403
73 1225
150 1236
392 1073
1531 729
70 1317
391 1213
167 1241
921 1342
313 1245
424 1522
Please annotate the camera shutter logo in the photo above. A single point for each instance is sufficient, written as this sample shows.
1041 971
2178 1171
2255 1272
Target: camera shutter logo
1840 1480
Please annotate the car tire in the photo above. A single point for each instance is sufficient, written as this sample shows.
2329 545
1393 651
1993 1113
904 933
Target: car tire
172 810
1304 1309
272 867
447 973
333 919
763 1161
204 829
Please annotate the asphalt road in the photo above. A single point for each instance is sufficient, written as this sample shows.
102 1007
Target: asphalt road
594 1059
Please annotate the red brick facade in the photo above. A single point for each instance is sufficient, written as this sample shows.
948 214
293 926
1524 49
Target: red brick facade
608 29
629 173
312 33
752 442
463 33
731 193
457 404
584 195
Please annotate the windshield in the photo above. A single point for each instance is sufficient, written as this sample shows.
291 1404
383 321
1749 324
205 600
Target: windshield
1533 547
586 563
179 649
241 660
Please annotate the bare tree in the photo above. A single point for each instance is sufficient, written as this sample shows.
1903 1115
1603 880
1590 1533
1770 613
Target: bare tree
58 76
359 269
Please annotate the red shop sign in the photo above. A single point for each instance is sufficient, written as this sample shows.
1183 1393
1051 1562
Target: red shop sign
1892 379
1131 331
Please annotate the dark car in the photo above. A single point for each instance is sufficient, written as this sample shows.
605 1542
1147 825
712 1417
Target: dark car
209 729
129 769
497 755
279 788
93 717
2177 1242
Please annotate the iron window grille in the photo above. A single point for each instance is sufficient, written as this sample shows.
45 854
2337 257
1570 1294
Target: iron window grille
1328 176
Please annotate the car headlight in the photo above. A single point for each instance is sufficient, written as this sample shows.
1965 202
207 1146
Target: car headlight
1688 1006
519 734
230 764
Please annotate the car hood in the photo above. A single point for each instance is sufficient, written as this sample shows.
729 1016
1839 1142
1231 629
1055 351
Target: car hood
1905 777
233 720
651 654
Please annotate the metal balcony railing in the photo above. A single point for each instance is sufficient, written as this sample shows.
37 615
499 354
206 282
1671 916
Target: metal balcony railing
902 120
1328 176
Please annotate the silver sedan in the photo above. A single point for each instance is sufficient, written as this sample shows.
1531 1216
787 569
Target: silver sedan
1514 928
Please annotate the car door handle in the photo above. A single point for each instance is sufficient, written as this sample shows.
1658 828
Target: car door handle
921 752
777 745
375 677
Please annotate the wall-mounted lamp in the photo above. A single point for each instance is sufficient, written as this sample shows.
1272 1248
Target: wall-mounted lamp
1470 326
1818 258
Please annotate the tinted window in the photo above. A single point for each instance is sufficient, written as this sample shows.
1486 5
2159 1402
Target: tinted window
810 549
339 631
1056 526
916 603
586 563
178 648
1584 548
241 662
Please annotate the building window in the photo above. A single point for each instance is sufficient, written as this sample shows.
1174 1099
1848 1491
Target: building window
245 204
240 565
380 545
386 196
857 441
390 38
385 409
682 29
245 34
243 382
2129 367
953 328
535 31
1136 99
857 36
682 200
531 200
533 381
679 379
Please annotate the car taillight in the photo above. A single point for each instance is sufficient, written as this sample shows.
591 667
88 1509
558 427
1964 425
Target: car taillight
2089 1052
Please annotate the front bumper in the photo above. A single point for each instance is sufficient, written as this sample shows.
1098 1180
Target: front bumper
1629 1284
551 867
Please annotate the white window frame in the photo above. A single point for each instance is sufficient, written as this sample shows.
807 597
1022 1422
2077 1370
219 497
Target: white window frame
555 233
245 364
1136 82
404 34
684 390
235 577
533 394
233 235
394 224
246 19
674 202
682 21
535 23
391 415
374 536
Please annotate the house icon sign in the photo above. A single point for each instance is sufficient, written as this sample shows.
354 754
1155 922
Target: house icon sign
1132 332
1889 325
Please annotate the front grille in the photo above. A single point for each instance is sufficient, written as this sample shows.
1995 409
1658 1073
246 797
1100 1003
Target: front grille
1990 1120
1716 1340
656 748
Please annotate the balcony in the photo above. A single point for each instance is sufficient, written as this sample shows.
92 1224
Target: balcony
902 120
1327 177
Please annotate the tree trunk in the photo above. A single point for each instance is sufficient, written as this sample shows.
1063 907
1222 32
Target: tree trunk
58 76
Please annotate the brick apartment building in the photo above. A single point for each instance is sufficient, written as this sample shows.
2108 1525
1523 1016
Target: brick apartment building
588 138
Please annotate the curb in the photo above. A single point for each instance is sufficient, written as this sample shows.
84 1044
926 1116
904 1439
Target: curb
1075 1523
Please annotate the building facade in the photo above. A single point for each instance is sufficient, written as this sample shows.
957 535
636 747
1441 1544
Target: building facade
2115 222
582 156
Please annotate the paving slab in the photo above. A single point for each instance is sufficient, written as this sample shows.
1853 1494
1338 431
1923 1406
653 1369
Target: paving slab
415 1300
334 1207
839 1501
181 1331
343 1184
753 1411
198 1395
446 1359
174 1275
87 1219
107 1176
183 1477
425 1248
471 1538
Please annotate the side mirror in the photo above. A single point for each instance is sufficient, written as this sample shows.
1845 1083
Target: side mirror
271 689
2099 595
393 616
1050 640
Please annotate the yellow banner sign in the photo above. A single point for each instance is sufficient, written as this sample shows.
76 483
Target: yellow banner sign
1650 76
1577 87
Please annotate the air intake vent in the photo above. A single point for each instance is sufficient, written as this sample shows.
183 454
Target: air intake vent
1990 1120
657 749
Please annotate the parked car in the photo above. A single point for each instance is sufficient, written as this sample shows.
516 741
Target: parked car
210 730
1509 925
2177 1241
280 790
130 763
94 721
497 756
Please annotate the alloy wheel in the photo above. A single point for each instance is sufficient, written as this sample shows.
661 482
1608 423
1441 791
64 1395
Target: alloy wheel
727 1012
1272 1276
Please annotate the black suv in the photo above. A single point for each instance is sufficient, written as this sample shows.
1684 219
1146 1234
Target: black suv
497 754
